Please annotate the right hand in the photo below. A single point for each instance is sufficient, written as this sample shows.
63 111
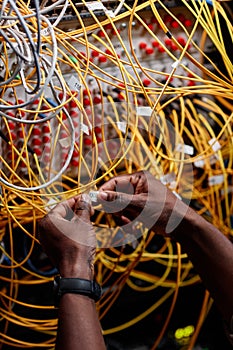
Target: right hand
140 197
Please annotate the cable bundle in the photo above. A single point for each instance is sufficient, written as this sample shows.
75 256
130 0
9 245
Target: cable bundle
77 110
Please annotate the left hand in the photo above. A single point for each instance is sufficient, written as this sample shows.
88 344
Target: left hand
68 238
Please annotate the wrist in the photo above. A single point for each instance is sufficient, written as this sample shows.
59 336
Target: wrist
78 270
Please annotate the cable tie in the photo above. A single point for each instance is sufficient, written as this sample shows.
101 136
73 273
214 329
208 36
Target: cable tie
169 34
176 64
168 178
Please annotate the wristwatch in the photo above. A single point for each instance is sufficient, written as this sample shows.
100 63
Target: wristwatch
76 286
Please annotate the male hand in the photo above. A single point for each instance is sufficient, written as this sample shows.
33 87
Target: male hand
68 238
140 197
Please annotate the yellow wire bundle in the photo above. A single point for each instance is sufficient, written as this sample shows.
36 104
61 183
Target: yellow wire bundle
198 115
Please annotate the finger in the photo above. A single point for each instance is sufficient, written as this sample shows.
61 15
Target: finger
119 182
63 209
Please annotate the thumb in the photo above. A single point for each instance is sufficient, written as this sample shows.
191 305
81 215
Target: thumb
114 202
83 208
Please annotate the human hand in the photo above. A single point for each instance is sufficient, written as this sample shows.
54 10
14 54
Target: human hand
68 238
140 197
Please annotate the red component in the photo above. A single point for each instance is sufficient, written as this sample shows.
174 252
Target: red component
75 153
36 131
108 26
120 97
73 104
121 85
155 43
149 51
85 92
168 19
151 26
99 139
11 125
161 49
73 114
188 23
142 45
74 162
168 42
13 135
190 75
63 134
37 141
174 24
108 52
46 129
20 134
38 151
173 47
191 83
114 32
11 114
86 102
101 34
94 53
20 101
97 130
96 100
46 139
102 59
146 82
181 17
87 142
181 40
46 158
154 20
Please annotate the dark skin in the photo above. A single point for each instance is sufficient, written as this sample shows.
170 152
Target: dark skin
141 196
68 238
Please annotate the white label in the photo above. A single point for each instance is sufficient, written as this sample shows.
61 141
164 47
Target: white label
65 142
109 13
74 83
185 149
144 111
84 128
121 126
95 5
214 144
215 180
51 204
168 178
45 31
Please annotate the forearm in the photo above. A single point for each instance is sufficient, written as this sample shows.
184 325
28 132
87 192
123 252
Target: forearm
212 256
78 326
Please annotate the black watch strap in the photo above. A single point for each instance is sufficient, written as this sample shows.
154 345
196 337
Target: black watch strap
76 286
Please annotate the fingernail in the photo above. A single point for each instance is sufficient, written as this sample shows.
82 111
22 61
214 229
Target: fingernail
103 195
